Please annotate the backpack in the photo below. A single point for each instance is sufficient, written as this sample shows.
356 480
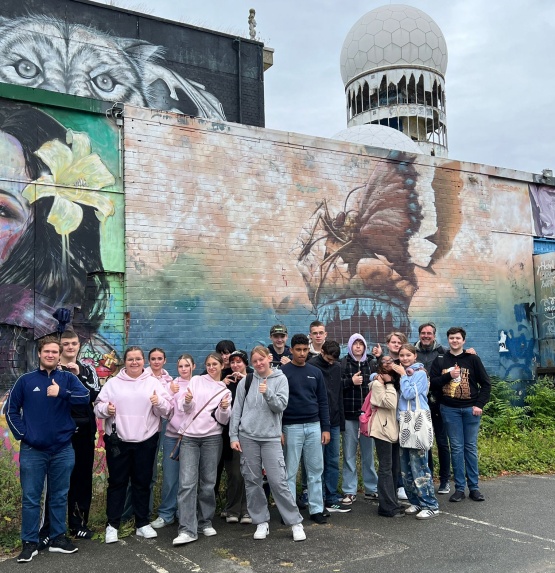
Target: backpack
366 416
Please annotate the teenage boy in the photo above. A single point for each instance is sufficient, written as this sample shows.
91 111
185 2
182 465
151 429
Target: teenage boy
281 353
317 338
327 363
306 424
79 496
464 389
356 369
45 396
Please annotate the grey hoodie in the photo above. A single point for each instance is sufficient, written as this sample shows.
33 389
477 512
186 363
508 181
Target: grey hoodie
259 415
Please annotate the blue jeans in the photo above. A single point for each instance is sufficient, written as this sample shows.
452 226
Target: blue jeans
305 439
350 475
417 478
198 470
35 467
170 481
331 467
462 429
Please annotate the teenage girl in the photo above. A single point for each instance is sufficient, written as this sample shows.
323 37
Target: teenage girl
417 477
170 443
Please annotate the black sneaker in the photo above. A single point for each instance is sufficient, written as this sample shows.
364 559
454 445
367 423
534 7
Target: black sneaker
62 545
318 518
476 495
325 512
29 550
44 542
339 508
457 496
82 533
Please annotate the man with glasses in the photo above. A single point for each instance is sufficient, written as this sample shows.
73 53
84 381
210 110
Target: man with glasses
428 349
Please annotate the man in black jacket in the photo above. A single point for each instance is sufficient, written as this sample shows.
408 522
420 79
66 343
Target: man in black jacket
328 363
428 349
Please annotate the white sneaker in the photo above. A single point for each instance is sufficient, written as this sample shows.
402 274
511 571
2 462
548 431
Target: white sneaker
111 535
209 531
158 523
401 493
427 513
412 510
298 532
232 519
146 531
262 531
183 538
245 519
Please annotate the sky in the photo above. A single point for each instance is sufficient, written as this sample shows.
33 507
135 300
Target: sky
500 80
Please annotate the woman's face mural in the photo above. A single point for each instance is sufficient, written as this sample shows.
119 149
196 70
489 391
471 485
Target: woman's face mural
15 211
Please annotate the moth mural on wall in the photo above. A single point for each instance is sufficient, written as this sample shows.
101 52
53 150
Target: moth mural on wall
40 51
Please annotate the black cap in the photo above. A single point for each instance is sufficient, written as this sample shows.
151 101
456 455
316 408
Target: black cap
241 354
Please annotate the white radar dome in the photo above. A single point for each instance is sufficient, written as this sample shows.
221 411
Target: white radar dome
393 35
381 136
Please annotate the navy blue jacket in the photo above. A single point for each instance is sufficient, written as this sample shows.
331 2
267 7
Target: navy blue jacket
40 421
308 397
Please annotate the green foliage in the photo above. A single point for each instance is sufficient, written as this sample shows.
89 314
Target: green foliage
500 415
10 501
541 402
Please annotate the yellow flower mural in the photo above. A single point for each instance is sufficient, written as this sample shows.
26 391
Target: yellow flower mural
72 170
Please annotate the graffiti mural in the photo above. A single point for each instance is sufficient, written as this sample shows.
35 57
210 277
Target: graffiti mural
358 263
44 52
267 228
61 234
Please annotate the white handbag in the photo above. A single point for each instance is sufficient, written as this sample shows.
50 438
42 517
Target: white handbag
415 428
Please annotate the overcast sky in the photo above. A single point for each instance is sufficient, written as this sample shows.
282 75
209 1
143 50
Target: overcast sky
500 80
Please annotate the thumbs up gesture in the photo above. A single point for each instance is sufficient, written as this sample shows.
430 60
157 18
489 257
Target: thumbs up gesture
188 396
111 409
154 399
53 390
174 387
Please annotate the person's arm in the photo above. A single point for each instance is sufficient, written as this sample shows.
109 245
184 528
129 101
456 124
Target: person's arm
277 396
484 382
164 407
383 395
323 406
223 411
437 378
103 401
75 392
236 411
13 413
413 385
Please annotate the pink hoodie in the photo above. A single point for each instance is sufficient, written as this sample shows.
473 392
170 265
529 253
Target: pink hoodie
165 378
204 390
172 428
136 418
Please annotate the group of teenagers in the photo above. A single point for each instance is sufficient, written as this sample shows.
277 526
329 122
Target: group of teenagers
260 416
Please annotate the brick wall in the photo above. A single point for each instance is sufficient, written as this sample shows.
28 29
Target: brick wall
230 229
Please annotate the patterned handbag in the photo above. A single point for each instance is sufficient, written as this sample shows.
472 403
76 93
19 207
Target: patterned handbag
415 428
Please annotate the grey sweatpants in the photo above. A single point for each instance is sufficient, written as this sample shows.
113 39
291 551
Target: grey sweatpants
268 455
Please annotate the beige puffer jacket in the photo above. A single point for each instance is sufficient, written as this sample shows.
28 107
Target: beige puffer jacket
384 423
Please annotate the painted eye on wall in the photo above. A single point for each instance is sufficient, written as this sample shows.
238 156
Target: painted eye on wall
27 69
104 82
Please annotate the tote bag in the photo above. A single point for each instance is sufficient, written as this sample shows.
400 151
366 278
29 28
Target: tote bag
415 428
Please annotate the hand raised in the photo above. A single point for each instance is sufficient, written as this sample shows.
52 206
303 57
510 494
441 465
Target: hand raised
53 390
73 367
357 378
188 396
224 404
154 399
174 387
263 386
